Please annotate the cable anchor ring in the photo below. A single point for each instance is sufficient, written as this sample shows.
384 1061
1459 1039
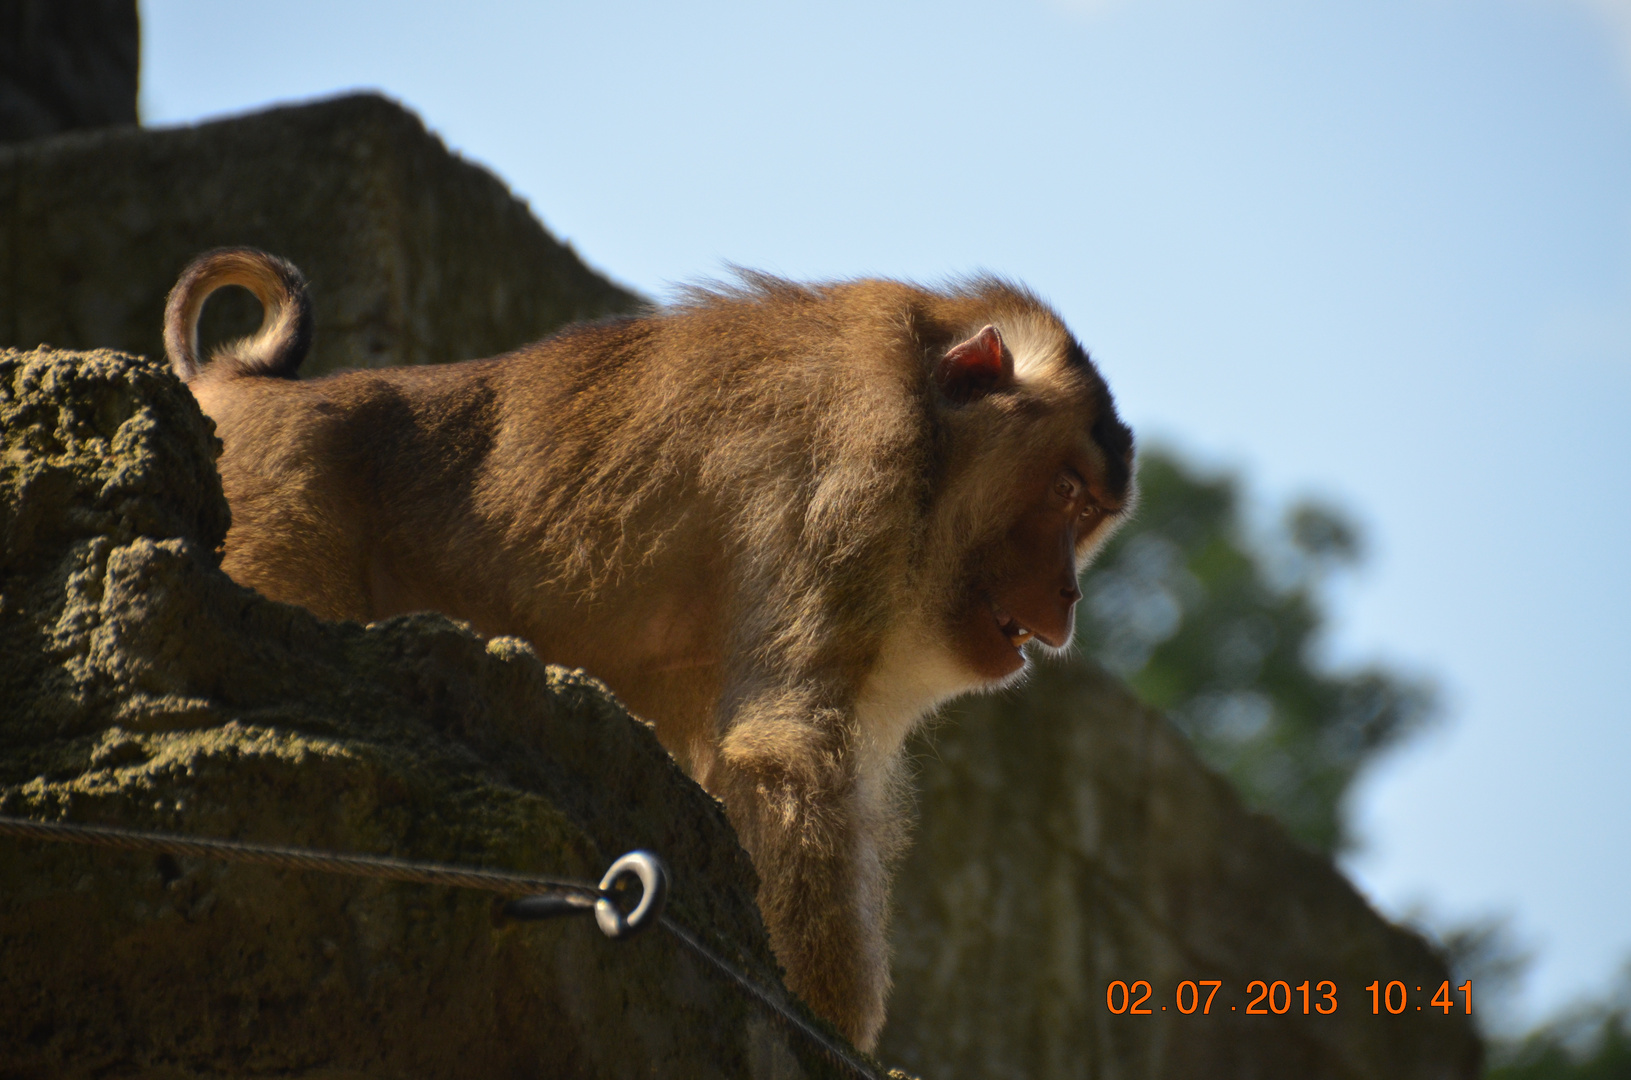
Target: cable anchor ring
647 868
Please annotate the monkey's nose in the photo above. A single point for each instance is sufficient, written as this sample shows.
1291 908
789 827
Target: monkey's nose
1071 593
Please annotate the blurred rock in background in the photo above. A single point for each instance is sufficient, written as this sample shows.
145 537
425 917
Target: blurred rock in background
414 255
66 65
1069 837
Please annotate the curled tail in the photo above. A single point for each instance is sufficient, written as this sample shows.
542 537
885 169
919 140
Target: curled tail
284 337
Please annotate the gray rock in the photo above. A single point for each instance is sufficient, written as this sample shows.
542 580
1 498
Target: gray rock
1069 838
142 688
414 255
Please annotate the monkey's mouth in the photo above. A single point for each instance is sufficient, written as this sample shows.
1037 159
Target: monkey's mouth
1016 634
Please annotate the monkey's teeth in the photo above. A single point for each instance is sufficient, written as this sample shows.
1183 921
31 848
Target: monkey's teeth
1017 635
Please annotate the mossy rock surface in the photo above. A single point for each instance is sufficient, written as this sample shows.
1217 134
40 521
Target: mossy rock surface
143 688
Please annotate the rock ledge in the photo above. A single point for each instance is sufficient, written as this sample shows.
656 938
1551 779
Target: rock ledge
143 688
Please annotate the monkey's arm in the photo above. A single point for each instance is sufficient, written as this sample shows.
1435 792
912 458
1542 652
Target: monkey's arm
821 833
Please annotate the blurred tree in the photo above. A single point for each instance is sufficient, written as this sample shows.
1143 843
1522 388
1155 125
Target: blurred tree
1487 950
1217 628
1592 1042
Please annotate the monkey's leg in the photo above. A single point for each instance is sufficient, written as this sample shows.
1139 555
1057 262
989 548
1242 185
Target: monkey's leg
787 777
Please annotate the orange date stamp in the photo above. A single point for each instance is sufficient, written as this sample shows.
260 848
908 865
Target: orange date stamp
1277 998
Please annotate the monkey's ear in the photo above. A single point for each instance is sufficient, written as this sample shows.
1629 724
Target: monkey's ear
976 367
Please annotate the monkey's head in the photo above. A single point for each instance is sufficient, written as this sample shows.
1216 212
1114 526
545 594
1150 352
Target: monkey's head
1039 474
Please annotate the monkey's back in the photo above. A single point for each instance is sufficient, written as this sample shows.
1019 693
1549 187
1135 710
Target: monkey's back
604 493
615 492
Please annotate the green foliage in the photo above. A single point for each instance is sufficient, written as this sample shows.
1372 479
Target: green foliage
1545 1056
1591 1043
1217 628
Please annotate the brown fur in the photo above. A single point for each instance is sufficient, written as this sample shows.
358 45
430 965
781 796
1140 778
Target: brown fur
782 521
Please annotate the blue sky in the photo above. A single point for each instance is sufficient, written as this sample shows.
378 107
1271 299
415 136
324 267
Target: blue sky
1374 250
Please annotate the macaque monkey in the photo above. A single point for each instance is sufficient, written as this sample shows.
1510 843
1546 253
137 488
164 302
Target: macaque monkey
782 521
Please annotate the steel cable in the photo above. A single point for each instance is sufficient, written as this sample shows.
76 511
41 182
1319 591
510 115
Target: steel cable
389 868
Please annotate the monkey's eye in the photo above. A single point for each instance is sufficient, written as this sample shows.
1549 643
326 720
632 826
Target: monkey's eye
1067 485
